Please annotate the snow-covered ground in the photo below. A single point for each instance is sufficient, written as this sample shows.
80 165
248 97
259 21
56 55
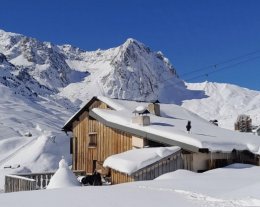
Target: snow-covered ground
234 186
43 119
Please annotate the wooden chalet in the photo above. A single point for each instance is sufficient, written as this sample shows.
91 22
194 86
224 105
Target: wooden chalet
96 136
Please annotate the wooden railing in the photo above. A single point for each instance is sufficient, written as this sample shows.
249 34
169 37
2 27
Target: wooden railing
30 181
14 183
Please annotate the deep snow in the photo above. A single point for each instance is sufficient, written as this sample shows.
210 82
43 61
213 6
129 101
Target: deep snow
234 186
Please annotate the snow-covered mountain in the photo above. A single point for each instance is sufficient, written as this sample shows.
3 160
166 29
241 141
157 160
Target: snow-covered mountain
130 71
42 84
224 102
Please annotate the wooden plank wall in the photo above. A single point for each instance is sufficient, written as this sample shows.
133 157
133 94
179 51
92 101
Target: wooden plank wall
118 177
187 161
223 159
80 132
168 164
109 141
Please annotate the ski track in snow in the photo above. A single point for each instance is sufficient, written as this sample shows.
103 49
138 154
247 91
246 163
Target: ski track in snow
209 201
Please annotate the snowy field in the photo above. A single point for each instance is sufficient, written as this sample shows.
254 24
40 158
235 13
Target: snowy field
234 186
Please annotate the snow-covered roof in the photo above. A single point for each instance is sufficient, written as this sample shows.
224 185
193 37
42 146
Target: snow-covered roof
133 160
170 128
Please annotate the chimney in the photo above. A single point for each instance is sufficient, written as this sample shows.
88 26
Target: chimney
141 118
154 108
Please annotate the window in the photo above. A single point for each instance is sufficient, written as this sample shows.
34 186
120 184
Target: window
92 139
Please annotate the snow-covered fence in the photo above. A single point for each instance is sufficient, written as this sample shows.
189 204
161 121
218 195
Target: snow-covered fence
14 183
30 181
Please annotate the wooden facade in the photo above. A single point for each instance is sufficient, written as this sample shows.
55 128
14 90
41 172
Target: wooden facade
150 172
93 142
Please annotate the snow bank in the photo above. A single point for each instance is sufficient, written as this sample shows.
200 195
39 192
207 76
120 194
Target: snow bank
63 177
235 186
133 160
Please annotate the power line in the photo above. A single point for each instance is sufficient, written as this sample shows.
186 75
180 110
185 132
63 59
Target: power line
220 63
218 67
223 68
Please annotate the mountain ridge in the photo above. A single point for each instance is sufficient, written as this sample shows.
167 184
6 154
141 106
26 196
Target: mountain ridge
129 71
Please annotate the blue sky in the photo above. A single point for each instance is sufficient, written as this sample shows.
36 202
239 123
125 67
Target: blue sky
192 34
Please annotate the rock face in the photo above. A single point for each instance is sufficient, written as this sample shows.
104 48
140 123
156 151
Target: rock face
138 73
19 80
42 60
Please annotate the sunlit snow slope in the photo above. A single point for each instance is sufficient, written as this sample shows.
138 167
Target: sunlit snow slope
224 102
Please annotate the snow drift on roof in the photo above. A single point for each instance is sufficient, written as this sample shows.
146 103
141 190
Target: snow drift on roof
171 126
133 160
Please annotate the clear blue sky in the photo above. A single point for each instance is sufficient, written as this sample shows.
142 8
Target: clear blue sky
192 34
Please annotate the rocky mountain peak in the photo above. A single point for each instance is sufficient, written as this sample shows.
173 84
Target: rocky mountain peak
130 71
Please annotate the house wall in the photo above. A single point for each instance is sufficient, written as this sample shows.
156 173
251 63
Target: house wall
108 142
118 177
199 162
80 142
206 161
138 142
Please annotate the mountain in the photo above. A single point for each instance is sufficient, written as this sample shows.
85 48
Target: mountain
42 60
224 102
42 85
131 71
